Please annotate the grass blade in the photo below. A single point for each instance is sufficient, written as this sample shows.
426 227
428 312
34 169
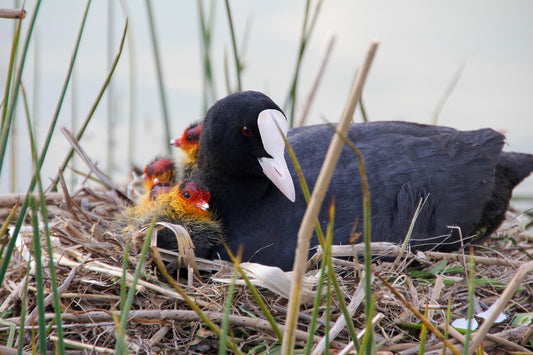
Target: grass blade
309 219
60 347
110 93
159 69
8 116
194 307
39 283
290 104
222 348
256 295
25 204
121 347
238 66
97 100
206 30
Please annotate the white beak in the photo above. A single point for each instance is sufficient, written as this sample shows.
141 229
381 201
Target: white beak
204 206
273 127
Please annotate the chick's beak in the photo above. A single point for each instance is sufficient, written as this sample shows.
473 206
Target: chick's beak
273 127
175 142
204 206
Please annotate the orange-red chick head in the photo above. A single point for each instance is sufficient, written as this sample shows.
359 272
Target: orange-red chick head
159 172
196 198
184 202
189 140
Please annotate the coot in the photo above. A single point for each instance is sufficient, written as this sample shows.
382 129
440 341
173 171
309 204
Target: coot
186 204
465 177
188 142
159 177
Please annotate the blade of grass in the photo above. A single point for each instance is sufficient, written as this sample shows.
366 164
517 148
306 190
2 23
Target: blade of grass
405 243
367 237
97 100
471 295
332 277
316 306
206 30
194 307
290 103
160 80
418 315
222 348
447 93
447 324
39 282
256 296
23 308
110 92
9 115
60 346
25 204
238 66
306 228
132 88
121 347
423 335
6 124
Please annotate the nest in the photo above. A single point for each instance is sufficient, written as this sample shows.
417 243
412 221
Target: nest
89 258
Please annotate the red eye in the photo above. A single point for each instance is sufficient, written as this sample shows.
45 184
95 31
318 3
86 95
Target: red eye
246 131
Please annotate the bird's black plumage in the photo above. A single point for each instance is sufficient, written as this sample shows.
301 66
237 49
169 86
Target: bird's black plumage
465 176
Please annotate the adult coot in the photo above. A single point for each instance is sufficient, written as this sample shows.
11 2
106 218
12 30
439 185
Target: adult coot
465 176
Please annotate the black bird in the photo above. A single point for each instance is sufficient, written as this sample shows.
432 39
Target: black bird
465 176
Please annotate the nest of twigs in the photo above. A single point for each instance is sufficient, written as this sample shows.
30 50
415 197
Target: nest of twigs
89 259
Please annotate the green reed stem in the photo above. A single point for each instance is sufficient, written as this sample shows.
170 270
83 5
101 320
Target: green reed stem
160 80
238 66
39 282
10 107
206 30
25 204
222 348
44 214
98 99
256 296
126 303
290 103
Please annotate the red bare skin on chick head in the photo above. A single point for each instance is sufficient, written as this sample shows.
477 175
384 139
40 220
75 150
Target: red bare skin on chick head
196 198
189 140
160 172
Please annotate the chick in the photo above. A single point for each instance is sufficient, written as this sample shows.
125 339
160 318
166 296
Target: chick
189 143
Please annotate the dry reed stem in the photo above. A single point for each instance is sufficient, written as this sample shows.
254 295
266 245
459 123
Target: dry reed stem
418 315
340 324
377 318
87 160
500 304
4 350
83 346
102 268
163 316
10 200
311 213
477 259
12 13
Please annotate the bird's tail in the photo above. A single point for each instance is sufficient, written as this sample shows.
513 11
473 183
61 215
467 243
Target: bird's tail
511 169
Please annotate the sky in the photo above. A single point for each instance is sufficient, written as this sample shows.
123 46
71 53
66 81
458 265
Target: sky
423 45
